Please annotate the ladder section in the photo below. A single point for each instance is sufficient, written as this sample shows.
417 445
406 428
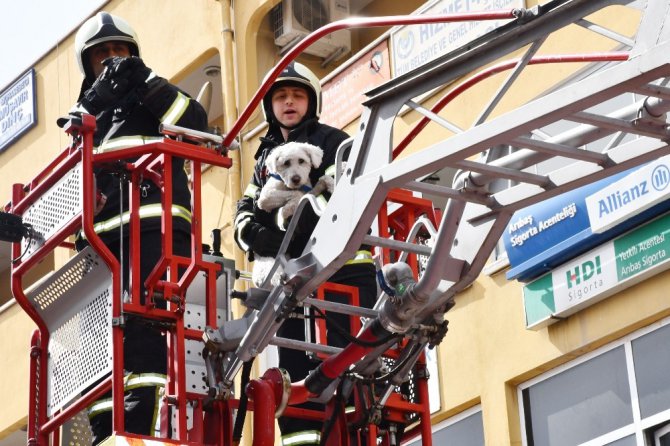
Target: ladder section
477 214
478 209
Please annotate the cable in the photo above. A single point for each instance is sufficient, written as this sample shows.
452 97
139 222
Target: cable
389 374
242 408
383 285
354 340
30 232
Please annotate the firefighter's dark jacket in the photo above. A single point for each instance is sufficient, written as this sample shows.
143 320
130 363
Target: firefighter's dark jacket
132 122
249 219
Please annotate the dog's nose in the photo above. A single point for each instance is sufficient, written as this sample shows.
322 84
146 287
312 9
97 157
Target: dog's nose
295 179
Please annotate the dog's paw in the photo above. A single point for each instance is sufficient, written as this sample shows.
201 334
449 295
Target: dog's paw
263 203
287 211
325 183
284 213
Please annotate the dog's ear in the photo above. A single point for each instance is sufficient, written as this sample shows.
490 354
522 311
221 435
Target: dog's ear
315 154
271 161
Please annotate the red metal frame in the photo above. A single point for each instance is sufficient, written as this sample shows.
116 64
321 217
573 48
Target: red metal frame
152 160
399 222
351 294
397 408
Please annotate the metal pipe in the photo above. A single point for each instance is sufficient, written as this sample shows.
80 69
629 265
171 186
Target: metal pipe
230 101
340 308
441 251
424 401
516 72
578 136
260 393
356 22
498 68
304 346
396 245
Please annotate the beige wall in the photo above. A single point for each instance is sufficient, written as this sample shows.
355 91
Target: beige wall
14 348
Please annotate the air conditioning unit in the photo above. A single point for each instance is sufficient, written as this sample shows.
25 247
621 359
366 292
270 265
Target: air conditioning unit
294 19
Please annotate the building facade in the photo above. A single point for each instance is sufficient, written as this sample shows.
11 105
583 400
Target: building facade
552 344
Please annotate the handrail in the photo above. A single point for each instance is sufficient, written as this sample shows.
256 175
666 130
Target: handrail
421 221
357 22
616 56
24 196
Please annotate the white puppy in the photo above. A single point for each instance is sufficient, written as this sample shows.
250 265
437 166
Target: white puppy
288 168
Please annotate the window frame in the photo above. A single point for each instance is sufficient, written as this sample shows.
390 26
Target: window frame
451 421
639 426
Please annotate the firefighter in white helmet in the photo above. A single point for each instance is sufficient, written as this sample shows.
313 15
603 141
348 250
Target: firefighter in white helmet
292 108
129 102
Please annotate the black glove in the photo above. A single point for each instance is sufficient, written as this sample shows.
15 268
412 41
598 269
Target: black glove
127 73
101 94
264 241
120 76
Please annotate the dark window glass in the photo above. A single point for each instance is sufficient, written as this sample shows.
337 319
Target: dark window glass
467 432
580 404
651 358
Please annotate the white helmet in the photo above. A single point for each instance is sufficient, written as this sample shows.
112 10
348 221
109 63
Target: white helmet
102 27
298 74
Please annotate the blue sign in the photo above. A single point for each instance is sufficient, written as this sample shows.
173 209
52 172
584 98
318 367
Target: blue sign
543 236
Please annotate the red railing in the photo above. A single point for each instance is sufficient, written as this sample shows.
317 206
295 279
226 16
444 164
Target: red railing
151 160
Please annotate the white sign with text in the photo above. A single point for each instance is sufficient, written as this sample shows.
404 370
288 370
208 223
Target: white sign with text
17 109
629 196
415 45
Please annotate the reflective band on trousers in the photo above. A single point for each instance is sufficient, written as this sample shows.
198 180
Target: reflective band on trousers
361 256
147 211
132 381
300 438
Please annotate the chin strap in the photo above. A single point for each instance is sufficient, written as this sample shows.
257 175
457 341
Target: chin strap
305 188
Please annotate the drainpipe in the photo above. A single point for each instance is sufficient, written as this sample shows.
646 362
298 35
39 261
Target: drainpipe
228 82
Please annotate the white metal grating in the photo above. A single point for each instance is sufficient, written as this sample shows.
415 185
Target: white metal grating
53 210
79 350
75 303
196 373
77 431
195 319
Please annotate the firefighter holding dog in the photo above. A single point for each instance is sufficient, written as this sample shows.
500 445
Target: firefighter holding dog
292 107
